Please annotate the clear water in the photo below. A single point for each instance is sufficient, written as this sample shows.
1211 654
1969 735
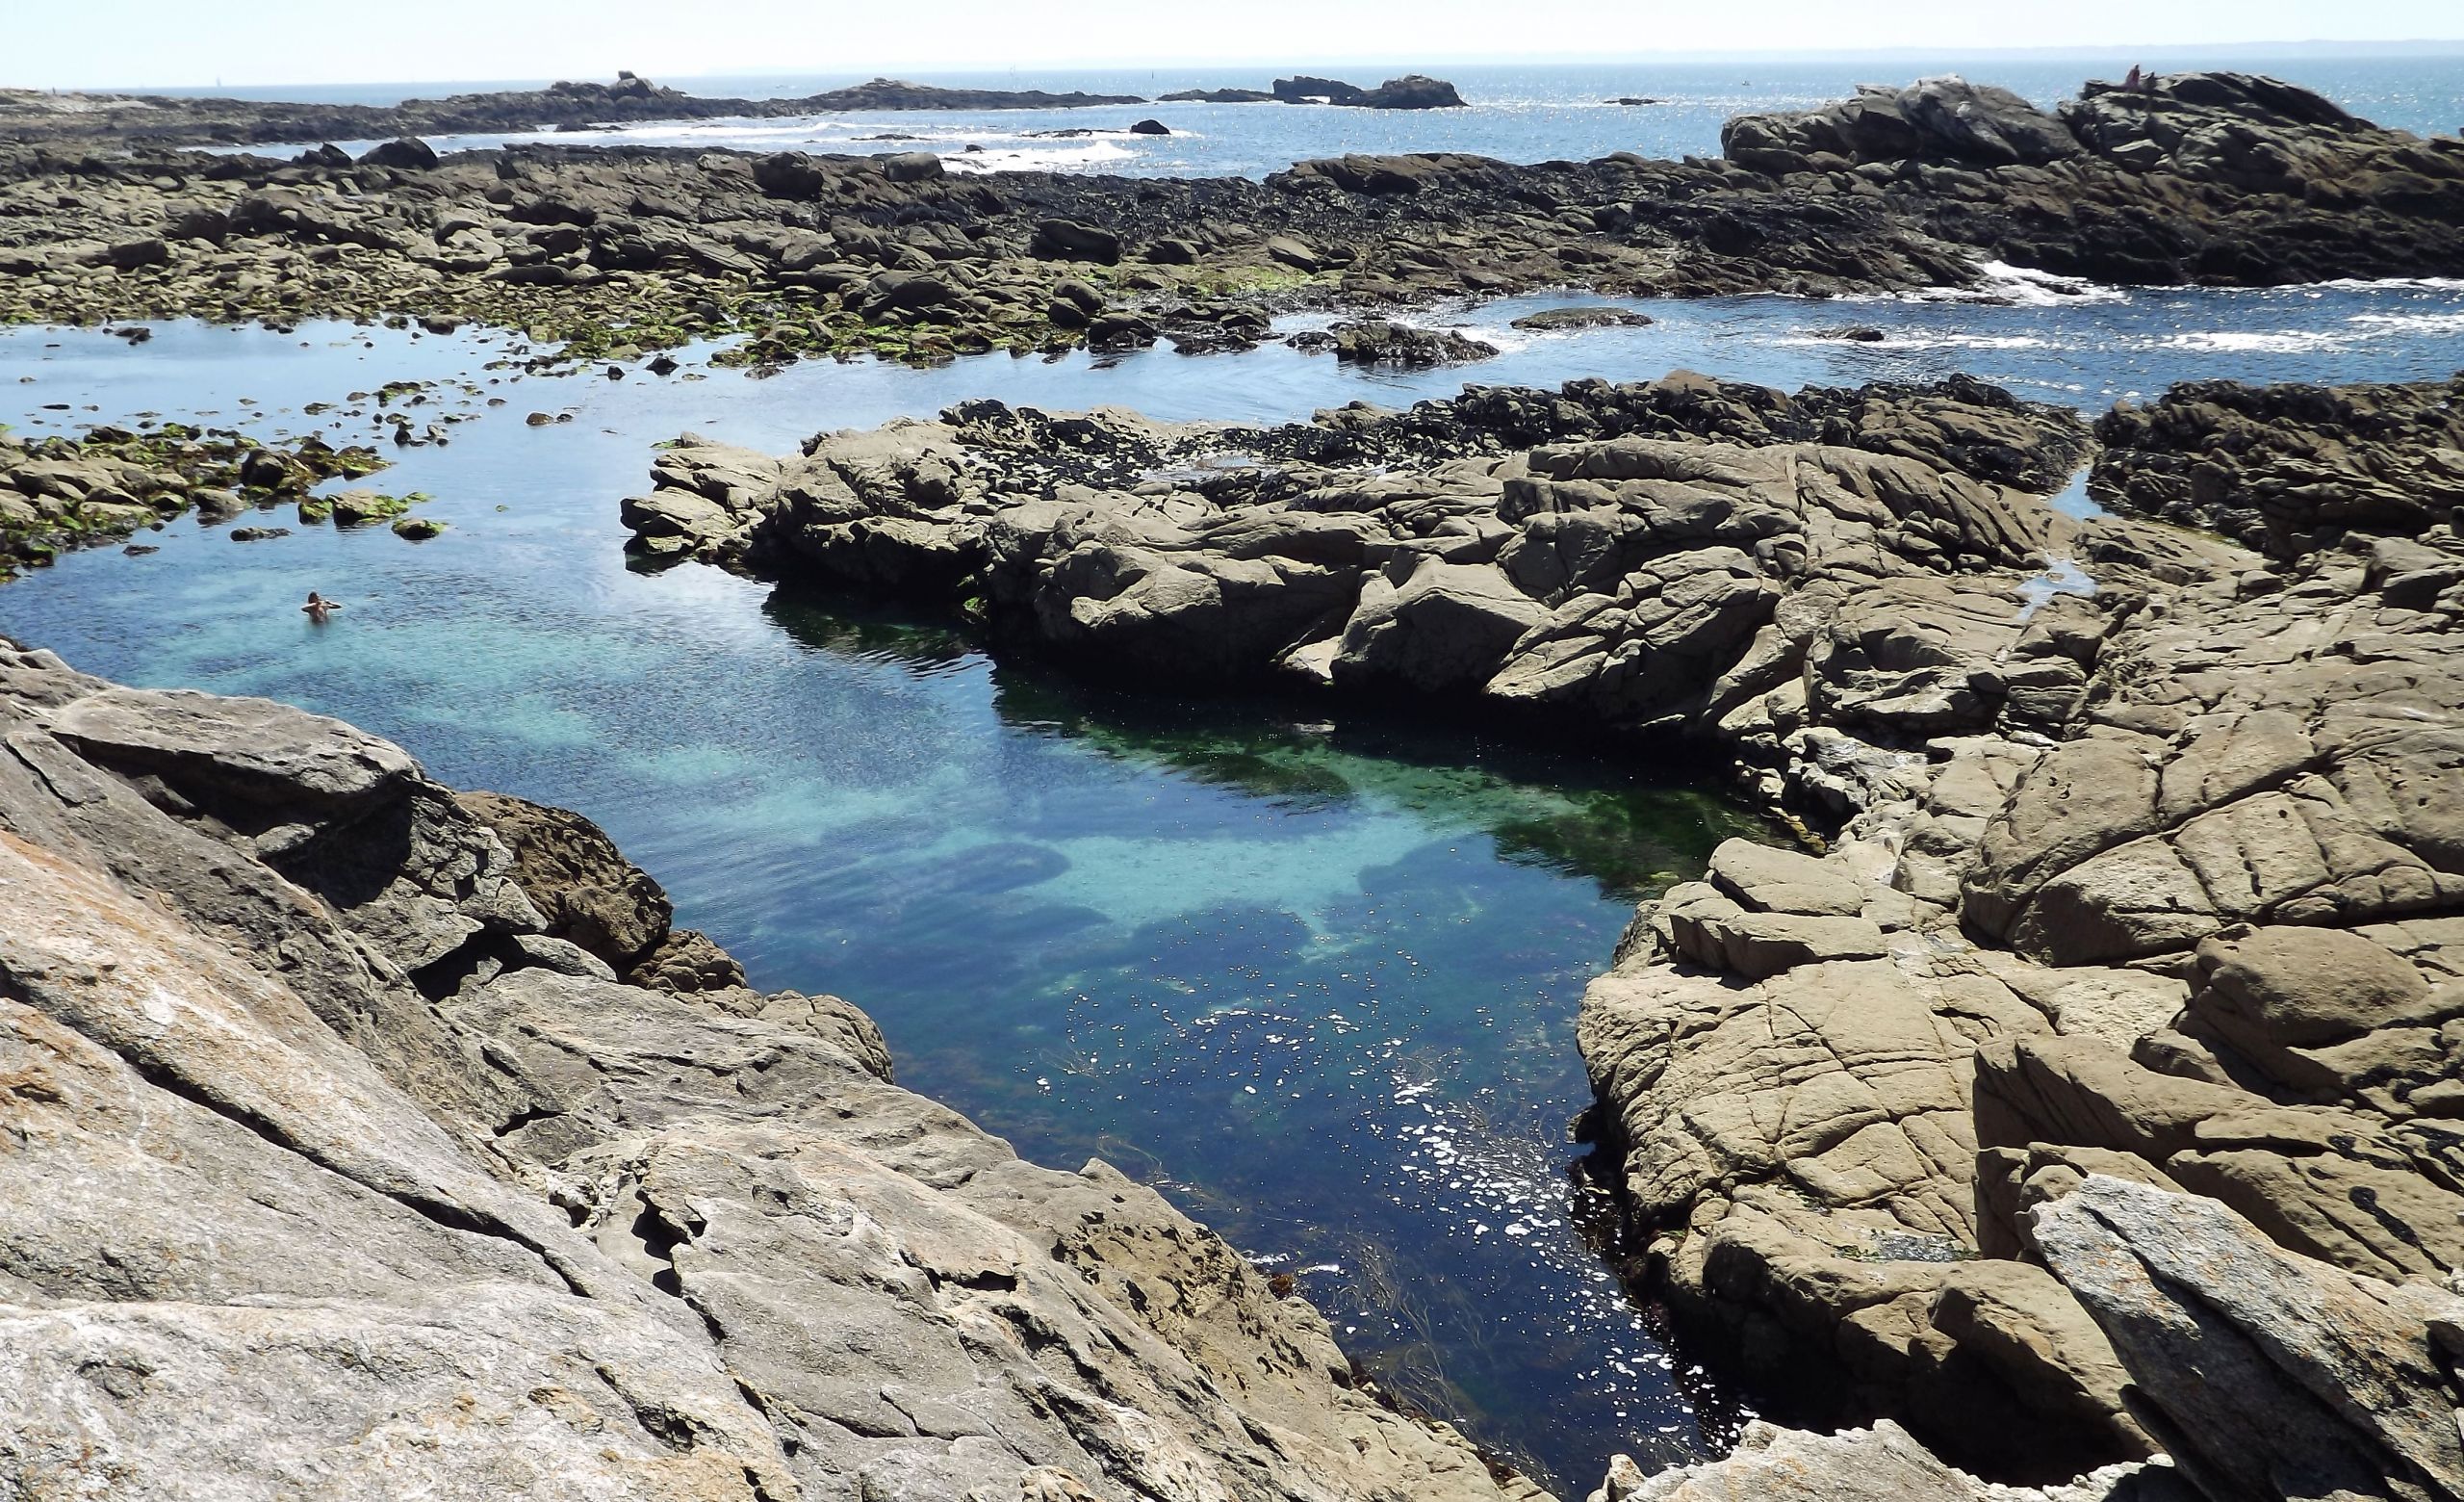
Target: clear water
1519 113
1316 977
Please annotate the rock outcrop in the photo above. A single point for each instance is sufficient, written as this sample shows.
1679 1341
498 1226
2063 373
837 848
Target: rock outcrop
2094 1094
2197 177
2289 469
341 1158
568 106
1411 92
1761 568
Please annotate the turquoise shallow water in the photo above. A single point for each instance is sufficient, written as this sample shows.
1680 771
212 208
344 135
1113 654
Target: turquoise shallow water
1315 976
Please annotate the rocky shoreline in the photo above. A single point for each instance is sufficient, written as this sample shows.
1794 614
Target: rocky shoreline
2135 933
2080 1117
614 252
362 1129
183 120
189 121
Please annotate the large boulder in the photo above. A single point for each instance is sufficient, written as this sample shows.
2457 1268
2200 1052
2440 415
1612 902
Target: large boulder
2266 1375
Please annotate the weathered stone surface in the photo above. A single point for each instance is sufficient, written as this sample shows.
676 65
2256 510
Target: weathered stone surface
2117 159
589 893
2174 922
2267 1375
1840 557
220 752
1883 1463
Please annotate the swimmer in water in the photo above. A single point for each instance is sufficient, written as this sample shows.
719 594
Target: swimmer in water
320 609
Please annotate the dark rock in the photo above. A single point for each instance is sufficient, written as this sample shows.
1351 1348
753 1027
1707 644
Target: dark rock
1306 89
1411 92
1381 342
1151 127
1561 319
1066 240
408 154
580 882
1217 96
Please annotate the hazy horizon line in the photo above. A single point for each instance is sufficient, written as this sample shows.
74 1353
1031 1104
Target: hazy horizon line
2315 47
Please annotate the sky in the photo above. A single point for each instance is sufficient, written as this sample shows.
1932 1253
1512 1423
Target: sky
195 44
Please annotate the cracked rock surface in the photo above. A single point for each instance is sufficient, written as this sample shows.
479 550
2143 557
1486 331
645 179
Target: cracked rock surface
2096 1096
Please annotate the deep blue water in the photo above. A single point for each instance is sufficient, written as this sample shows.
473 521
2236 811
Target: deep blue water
1519 113
1315 976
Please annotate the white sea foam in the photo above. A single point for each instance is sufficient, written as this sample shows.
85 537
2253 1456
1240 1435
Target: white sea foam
2005 283
2383 324
2252 341
1072 156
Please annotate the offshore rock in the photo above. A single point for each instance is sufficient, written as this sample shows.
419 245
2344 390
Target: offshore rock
1383 342
1411 92
330 1158
2197 177
560 106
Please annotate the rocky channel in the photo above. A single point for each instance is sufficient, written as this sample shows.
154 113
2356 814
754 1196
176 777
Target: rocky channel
2091 1095
612 253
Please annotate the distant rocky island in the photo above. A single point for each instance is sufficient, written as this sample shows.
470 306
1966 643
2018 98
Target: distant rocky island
166 119
1411 92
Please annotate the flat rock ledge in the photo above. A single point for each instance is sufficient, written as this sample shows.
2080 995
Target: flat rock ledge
365 1138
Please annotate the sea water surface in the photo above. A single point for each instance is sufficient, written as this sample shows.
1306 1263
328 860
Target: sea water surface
1314 976
1515 112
